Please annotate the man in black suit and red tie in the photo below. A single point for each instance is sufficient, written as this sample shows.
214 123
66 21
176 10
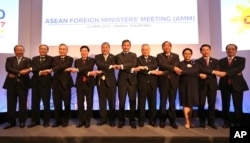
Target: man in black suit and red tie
17 85
85 82
207 86
41 86
106 84
232 83
126 62
61 84
168 83
147 85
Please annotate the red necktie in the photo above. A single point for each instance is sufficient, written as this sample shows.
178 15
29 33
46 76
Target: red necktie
84 78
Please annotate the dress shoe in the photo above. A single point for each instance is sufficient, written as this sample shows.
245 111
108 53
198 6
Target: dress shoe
112 124
79 125
33 124
226 125
87 125
57 124
212 125
153 124
202 125
101 123
162 124
133 124
174 125
64 124
9 126
141 124
45 125
22 125
121 124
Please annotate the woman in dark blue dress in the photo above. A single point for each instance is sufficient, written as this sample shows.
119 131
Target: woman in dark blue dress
189 95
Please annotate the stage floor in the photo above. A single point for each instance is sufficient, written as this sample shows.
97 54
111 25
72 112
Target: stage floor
109 134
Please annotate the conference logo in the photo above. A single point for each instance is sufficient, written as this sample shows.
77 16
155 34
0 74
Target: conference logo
243 18
2 23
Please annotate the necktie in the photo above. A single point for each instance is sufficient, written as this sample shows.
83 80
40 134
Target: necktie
230 61
42 59
146 59
207 61
62 59
105 57
19 60
84 78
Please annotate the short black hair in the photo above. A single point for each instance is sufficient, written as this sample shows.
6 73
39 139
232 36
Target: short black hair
205 45
126 40
230 45
84 46
165 43
187 49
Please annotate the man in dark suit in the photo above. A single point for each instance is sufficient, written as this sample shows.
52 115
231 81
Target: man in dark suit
61 85
232 83
85 82
17 85
207 86
106 84
147 85
126 61
41 86
168 83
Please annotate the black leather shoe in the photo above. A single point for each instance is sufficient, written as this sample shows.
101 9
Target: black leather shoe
57 124
174 125
79 125
237 124
202 125
121 124
141 124
226 125
9 126
162 124
112 124
64 124
212 125
33 124
45 125
101 123
87 125
22 125
133 124
153 124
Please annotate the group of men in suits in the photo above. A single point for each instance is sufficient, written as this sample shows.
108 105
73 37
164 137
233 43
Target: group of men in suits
143 74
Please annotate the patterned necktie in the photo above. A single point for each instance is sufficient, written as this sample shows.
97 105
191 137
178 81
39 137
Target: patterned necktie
84 78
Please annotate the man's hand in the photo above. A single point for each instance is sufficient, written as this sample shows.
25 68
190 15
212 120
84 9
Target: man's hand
177 70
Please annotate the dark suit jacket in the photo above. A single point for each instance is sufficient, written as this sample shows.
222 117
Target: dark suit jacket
60 76
167 65
234 73
83 71
12 67
128 61
143 77
211 79
104 67
45 80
